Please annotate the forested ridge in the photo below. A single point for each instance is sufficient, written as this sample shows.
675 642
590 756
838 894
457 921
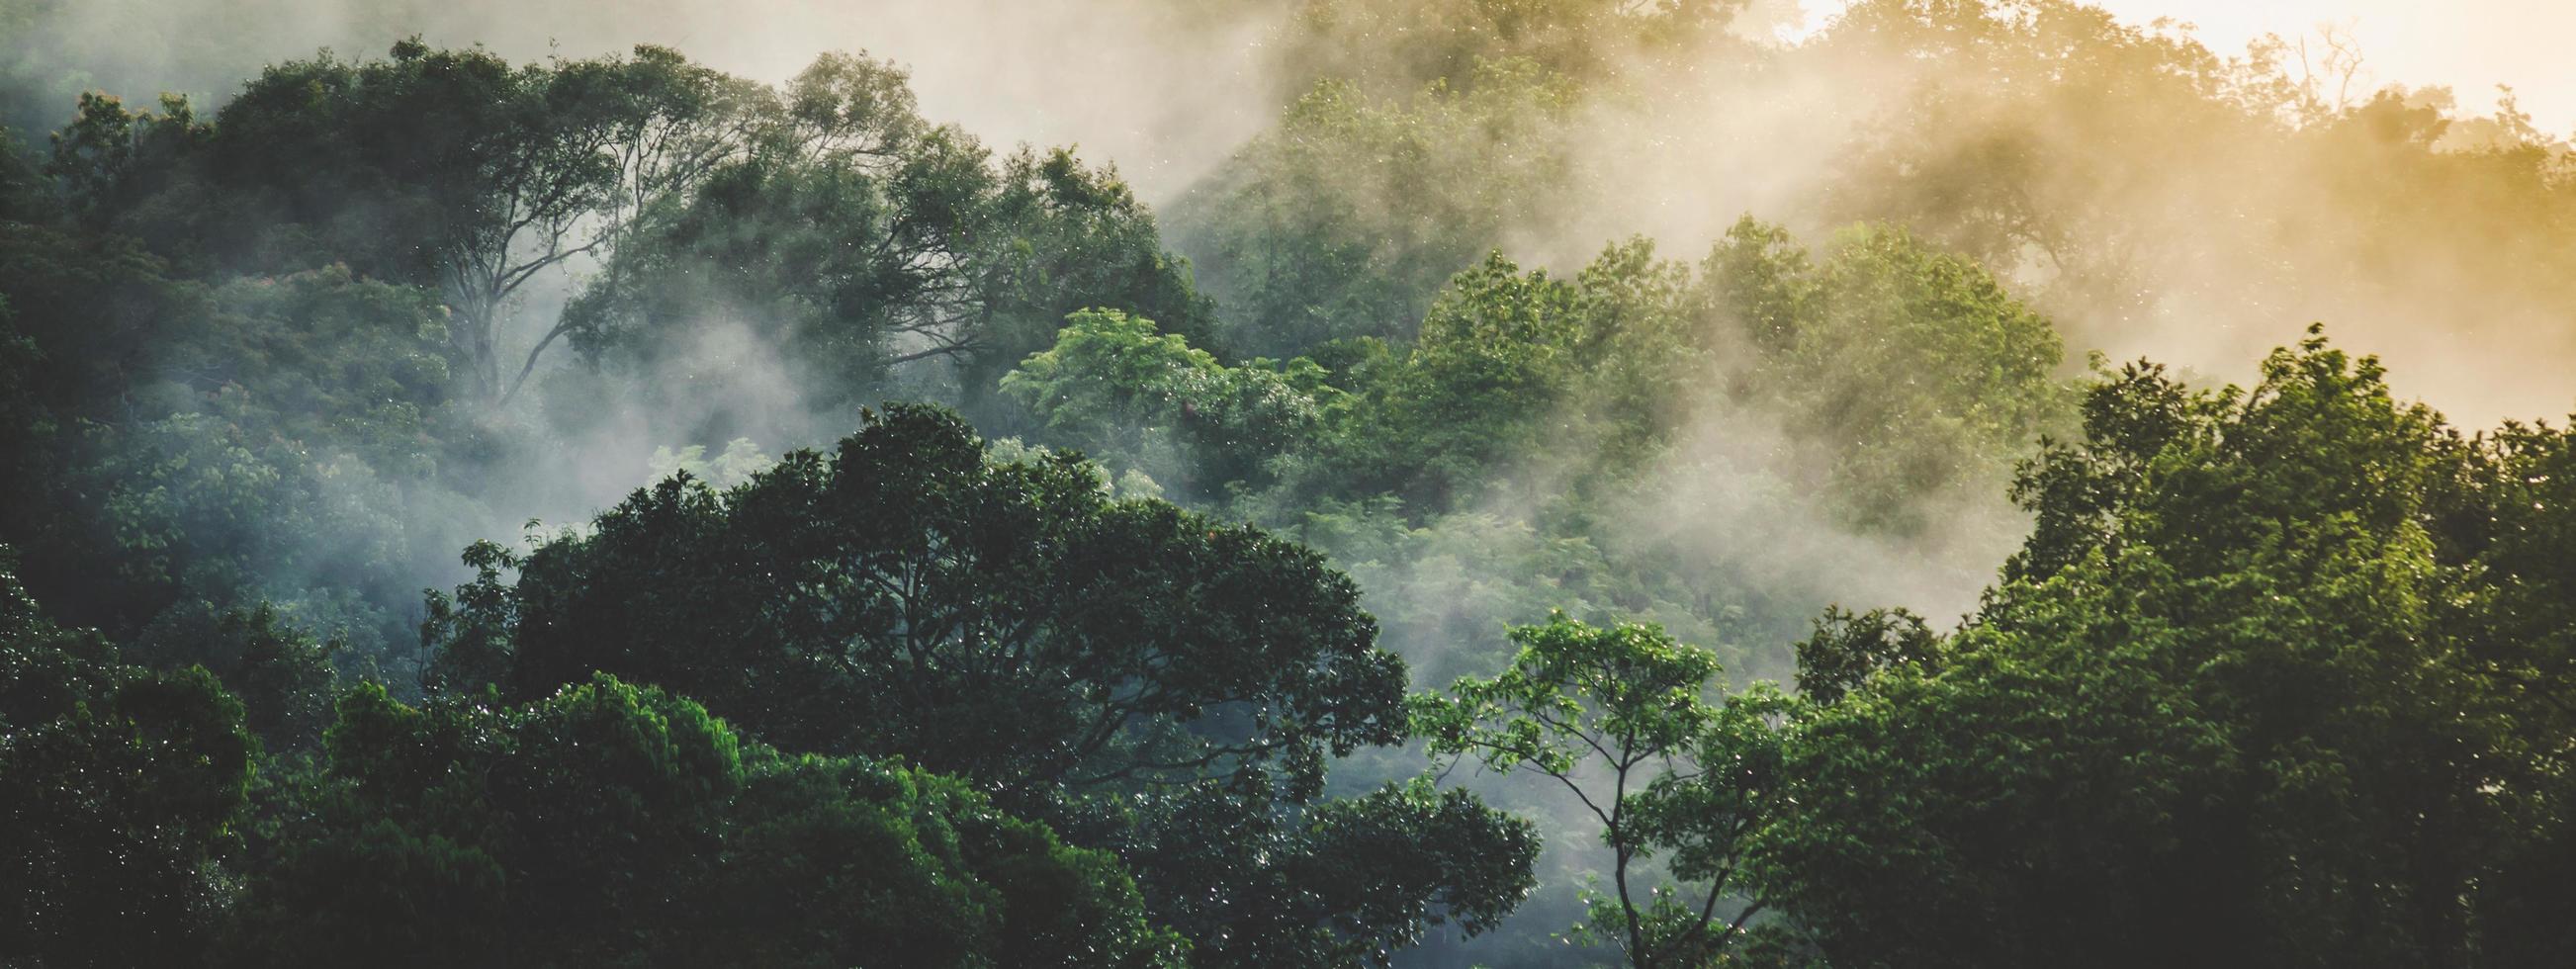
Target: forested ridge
601 509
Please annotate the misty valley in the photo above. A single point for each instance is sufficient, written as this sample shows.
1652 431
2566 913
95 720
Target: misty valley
1275 483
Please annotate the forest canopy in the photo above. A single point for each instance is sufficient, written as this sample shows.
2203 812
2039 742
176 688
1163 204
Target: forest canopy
466 507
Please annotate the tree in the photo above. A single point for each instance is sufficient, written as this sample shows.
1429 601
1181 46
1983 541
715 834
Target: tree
1130 397
2238 699
1497 355
447 169
108 157
1920 376
24 194
1619 716
2135 175
668 125
1346 220
2511 524
120 790
615 823
825 229
282 674
271 439
1920 371
80 316
1009 624
1060 237
1340 882
1848 648
492 198
861 238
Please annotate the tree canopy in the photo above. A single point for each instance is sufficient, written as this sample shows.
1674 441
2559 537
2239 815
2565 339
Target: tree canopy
2239 698
1136 671
1711 423
609 822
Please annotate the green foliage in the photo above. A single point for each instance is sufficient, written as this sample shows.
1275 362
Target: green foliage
120 790
1495 358
1132 398
1011 624
617 824
1401 46
1341 882
1446 591
1062 237
905 596
2272 681
449 170
109 158
2134 174
2233 703
470 636
1345 221
169 442
483 174
1916 367
282 674
1003 891
1923 375
1847 648
856 237
1582 406
24 196
226 486
1620 717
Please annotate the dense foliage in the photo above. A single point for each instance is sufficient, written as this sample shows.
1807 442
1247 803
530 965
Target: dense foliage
1126 667
120 790
614 824
1685 776
1100 644
2269 683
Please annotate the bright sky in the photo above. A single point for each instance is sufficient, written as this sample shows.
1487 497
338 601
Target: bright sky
2470 45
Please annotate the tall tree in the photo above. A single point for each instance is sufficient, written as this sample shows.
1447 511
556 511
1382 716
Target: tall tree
449 169
1620 717
668 124
906 596
860 238
2243 697
1107 663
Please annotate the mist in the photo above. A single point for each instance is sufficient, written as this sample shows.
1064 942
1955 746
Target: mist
1676 150
1714 316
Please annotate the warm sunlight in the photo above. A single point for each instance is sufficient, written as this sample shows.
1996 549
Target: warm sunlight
2469 46
1287 484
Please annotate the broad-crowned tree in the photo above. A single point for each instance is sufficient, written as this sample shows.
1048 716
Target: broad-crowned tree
454 170
1009 623
2268 684
865 243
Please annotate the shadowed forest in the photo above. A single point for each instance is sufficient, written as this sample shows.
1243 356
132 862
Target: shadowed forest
1274 483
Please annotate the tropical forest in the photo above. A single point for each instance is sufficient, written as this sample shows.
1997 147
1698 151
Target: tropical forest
1199 484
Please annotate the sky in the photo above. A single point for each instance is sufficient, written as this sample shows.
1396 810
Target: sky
2469 45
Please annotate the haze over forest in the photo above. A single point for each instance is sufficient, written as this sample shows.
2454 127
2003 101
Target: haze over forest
1285 482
